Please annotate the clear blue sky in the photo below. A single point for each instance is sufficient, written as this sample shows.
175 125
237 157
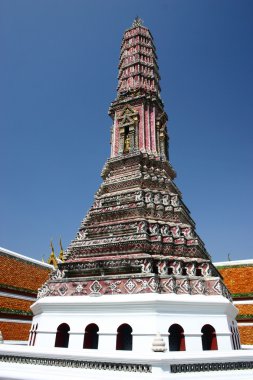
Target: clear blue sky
58 75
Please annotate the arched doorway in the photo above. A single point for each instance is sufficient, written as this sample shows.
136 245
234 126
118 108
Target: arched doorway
209 339
124 337
91 336
176 338
62 335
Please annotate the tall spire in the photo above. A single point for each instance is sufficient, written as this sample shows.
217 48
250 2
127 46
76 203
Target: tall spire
138 111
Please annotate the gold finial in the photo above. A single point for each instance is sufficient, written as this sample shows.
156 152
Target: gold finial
61 245
52 259
137 22
51 245
60 257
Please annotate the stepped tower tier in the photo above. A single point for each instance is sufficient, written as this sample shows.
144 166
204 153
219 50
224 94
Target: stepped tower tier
138 236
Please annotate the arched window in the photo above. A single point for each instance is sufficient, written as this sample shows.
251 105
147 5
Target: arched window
62 335
176 338
124 337
209 340
91 336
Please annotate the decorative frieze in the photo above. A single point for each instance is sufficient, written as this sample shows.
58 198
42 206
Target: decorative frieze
208 367
135 284
71 363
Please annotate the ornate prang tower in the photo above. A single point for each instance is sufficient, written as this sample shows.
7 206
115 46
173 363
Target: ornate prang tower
138 244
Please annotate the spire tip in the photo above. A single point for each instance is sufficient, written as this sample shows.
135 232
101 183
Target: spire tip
137 22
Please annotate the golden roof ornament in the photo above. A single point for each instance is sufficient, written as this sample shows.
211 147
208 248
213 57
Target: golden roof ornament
51 245
52 258
60 257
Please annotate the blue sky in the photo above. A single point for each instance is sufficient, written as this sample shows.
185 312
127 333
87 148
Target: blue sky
58 75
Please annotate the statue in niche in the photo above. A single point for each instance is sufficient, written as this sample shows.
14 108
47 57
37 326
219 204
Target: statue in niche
187 232
146 267
162 267
165 230
205 269
142 227
176 232
174 201
154 229
176 267
138 196
190 269
127 144
148 197
157 198
166 199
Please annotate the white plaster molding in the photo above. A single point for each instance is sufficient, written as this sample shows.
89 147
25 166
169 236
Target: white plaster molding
16 342
18 296
247 347
234 262
15 320
149 302
22 257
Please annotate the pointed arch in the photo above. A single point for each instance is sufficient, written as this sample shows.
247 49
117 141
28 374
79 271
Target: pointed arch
209 339
62 335
176 338
124 337
91 336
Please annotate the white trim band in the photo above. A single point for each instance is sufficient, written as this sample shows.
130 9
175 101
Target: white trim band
18 296
15 320
22 257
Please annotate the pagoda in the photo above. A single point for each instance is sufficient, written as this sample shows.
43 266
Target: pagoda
138 236
137 266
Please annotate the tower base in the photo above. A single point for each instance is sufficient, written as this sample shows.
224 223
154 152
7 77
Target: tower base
146 314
